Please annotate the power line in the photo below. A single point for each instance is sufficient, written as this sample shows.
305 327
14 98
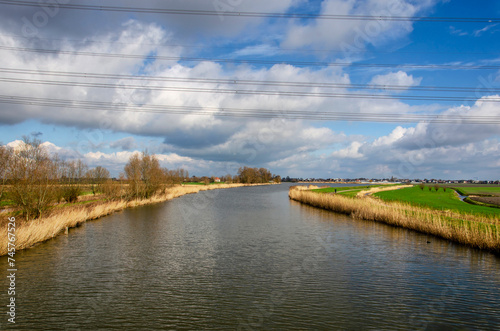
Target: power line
245 113
241 14
269 47
255 61
251 92
242 82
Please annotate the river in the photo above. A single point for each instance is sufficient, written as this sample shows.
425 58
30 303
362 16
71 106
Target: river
250 259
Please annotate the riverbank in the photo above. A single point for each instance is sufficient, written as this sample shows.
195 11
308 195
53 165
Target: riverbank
31 233
474 230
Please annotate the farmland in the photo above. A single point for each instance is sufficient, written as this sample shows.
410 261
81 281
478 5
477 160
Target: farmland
442 199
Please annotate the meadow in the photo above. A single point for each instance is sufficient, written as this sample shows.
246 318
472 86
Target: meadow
442 199
485 191
349 191
478 229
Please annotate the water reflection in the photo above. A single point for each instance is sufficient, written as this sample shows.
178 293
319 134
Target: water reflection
249 258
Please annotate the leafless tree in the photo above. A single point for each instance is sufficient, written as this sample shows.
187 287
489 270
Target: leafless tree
133 173
96 177
5 158
32 173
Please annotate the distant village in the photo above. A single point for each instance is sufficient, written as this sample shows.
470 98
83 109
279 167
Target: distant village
387 180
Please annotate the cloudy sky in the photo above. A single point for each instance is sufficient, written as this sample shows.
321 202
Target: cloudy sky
304 88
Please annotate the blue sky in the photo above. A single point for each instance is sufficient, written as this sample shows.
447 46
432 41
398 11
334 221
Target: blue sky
362 57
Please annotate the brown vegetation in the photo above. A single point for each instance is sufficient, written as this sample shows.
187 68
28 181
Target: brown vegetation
477 231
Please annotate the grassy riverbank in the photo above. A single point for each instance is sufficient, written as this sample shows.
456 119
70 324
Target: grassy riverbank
72 215
476 230
440 199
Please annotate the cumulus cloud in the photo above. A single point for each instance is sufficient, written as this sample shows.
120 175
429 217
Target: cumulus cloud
124 144
399 78
164 99
55 22
187 131
354 35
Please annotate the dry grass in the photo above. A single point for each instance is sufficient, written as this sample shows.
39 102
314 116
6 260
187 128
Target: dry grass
476 231
33 232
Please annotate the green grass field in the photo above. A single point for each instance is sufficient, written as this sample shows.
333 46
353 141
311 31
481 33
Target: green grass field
481 191
349 191
440 200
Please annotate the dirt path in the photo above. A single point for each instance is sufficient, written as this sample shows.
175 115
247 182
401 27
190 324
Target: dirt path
369 192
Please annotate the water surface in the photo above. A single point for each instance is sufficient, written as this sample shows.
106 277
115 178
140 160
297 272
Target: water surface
248 258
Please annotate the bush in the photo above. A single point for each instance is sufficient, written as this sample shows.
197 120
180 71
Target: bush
71 193
111 190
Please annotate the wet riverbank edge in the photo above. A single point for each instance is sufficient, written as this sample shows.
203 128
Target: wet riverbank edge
472 230
29 234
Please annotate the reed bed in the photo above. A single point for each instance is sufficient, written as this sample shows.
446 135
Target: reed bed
474 230
30 233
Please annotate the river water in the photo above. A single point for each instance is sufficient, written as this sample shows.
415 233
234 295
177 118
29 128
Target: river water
250 259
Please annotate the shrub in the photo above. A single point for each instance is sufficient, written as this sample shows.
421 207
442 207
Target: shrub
111 190
71 193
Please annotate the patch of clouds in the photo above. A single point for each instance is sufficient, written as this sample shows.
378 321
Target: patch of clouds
399 78
73 24
475 33
125 144
256 50
342 34
479 32
458 32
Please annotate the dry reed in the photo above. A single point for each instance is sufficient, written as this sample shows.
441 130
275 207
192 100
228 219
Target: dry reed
477 231
36 231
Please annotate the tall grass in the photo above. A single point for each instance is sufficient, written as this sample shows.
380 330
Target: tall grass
474 230
39 230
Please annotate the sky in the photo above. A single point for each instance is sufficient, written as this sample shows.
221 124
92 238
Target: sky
310 91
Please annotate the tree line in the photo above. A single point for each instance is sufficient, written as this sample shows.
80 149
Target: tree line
33 180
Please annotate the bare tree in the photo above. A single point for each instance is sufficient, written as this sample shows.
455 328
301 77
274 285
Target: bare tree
133 173
151 174
72 176
31 171
5 157
96 177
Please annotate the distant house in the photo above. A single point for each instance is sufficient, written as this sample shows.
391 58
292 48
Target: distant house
217 180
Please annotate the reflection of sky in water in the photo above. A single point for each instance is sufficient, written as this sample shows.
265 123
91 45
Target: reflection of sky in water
249 257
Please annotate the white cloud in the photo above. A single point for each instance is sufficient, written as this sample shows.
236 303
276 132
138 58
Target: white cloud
351 152
399 78
213 144
127 143
350 34
479 32
458 32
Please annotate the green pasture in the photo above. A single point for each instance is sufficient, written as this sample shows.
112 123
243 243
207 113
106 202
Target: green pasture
481 190
441 200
